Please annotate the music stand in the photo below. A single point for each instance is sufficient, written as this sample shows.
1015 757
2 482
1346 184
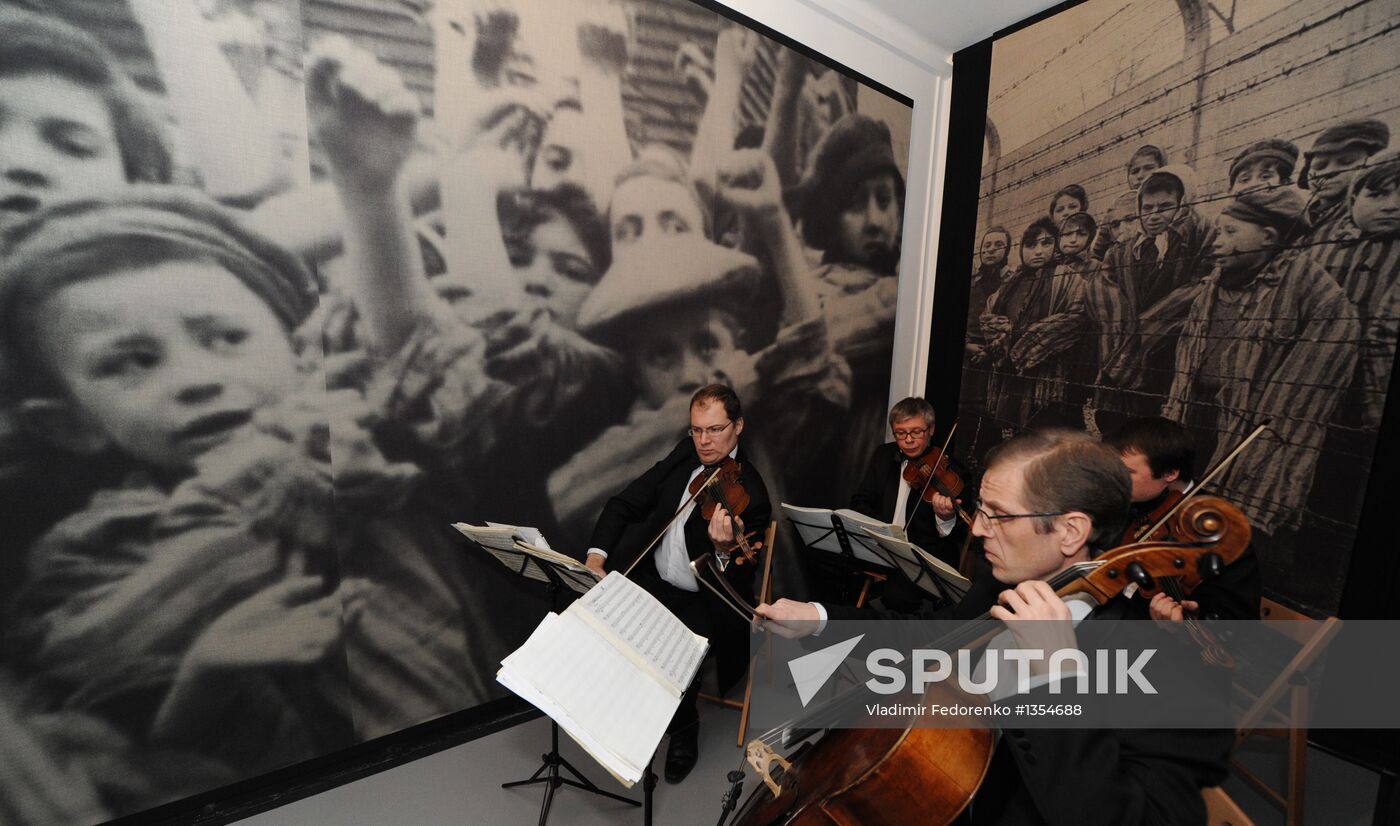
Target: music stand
549 771
842 547
906 555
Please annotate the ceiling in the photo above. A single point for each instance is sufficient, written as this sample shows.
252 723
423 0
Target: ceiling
948 25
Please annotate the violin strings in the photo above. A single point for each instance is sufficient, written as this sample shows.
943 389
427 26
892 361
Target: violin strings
667 526
932 473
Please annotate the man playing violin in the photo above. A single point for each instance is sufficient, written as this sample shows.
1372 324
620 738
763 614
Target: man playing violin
1050 500
1160 456
636 514
884 494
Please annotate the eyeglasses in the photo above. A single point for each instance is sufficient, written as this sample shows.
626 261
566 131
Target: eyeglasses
978 511
916 433
713 430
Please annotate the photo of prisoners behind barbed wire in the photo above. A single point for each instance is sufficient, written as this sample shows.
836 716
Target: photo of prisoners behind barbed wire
1191 209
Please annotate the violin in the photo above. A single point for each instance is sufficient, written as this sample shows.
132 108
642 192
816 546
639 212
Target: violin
1151 526
930 775
719 487
931 474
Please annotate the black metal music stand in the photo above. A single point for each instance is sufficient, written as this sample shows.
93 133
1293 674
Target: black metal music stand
549 771
648 786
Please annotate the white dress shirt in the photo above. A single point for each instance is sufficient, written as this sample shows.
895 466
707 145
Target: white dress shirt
672 557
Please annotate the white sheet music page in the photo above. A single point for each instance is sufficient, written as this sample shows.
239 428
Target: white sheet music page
586 684
659 642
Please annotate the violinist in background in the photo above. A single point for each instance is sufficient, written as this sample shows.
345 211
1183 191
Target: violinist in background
636 514
1160 456
884 494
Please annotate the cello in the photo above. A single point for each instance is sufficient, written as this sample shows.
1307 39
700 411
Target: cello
930 775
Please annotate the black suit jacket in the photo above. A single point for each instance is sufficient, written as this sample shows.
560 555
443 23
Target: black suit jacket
878 492
650 500
1042 776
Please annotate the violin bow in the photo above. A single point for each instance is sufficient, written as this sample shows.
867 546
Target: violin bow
929 481
669 522
728 596
1214 472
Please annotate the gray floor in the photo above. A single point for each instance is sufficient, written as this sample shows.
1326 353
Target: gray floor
462 786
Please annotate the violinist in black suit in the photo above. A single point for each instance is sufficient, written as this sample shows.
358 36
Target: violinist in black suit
631 518
1049 501
885 495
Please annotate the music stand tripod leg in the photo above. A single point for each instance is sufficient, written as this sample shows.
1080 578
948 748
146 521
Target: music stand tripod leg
548 772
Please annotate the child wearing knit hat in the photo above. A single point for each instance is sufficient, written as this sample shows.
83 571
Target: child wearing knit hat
1269 336
850 203
851 199
1265 163
1339 150
151 330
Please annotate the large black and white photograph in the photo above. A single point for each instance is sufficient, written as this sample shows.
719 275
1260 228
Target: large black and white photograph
1190 210
289 286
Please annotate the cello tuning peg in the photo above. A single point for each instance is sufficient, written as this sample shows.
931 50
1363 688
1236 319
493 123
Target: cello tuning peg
1210 565
1137 573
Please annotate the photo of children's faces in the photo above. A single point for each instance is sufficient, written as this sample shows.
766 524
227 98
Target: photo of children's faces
288 286
1224 254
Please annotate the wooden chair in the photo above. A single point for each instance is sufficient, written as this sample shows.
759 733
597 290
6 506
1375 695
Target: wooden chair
1221 810
765 594
871 580
1311 636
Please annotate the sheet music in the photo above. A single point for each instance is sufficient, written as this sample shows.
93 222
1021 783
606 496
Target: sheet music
554 556
528 535
585 683
500 538
660 641
855 521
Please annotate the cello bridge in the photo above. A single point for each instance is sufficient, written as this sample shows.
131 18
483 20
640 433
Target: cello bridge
762 757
